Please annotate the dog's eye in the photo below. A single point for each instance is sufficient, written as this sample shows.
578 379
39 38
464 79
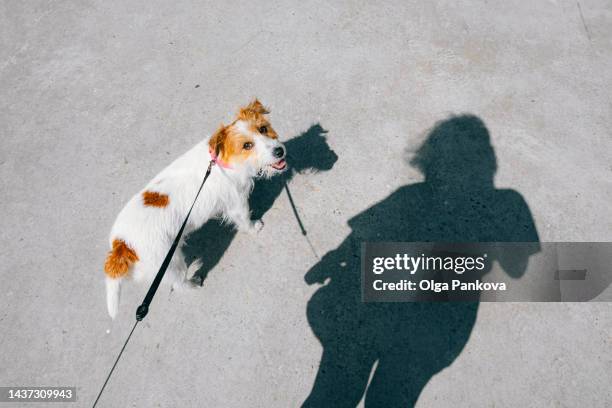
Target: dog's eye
263 130
248 146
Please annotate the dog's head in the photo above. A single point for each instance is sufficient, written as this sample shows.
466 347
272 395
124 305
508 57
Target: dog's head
250 143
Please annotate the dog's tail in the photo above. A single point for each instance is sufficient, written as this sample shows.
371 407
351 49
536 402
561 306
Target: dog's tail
113 290
117 266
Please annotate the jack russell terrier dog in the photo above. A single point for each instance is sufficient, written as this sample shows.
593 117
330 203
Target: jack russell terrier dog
146 227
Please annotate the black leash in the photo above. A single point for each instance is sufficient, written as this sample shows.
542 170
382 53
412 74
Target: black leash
297 217
143 309
116 361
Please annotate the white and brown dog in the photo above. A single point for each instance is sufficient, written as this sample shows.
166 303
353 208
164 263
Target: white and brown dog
146 227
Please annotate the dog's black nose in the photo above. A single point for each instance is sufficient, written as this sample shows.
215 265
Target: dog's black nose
279 152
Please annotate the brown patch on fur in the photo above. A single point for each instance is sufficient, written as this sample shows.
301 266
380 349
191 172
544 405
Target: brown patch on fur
217 139
233 147
155 199
119 259
254 113
253 108
228 143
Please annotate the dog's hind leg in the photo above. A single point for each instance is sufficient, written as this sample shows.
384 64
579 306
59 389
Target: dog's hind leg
179 273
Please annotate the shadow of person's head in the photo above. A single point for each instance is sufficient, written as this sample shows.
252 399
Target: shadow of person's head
457 153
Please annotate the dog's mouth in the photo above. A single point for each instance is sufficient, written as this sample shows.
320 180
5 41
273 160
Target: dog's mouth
272 169
279 165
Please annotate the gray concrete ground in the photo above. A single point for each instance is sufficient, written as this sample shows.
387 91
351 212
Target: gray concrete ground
96 97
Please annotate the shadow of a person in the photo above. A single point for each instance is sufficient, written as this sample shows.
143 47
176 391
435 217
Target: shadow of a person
408 343
307 152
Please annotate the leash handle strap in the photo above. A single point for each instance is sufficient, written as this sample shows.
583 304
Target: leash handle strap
143 309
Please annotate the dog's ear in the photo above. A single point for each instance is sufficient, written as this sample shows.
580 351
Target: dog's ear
218 139
254 108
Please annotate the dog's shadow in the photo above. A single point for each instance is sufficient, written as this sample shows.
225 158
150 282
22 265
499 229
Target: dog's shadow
307 152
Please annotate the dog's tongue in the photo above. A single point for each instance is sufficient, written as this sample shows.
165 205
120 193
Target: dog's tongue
279 165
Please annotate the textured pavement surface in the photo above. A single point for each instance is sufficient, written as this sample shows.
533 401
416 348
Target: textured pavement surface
97 97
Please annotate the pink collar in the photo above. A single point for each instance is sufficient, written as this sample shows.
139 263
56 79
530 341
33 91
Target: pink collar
217 160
